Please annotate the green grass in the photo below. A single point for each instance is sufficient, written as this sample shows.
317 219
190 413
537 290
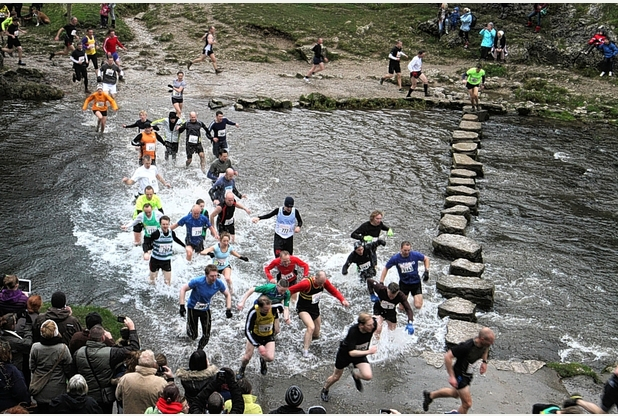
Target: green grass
109 319
495 70
573 369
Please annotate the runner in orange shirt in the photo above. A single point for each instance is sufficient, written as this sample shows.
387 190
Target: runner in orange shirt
99 106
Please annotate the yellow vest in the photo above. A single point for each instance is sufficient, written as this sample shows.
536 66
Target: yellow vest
93 50
263 326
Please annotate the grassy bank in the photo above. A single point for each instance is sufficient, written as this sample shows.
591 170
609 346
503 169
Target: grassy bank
110 322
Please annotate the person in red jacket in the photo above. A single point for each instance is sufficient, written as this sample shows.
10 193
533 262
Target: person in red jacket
308 306
111 45
286 267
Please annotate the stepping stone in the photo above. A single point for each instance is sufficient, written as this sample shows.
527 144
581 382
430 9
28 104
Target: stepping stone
463 173
470 117
461 161
452 224
465 136
455 181
458 308
459 331
453 247
469 201
462 190
479 291
474 126
464 267
466 148
457 210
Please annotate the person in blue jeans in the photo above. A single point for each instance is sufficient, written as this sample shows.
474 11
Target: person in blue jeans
489 35
540 9
610 50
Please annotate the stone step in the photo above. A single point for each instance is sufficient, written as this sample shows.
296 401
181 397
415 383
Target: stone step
470 117
464 267
474 126
466 148
465 136
479 291
461 161
452 224
457 210
459 331
469 201
453 247
458 308
455 181
463 173
462 190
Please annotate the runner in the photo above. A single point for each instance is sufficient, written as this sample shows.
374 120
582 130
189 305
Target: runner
110 47
223 185
288 223
162 251
147 143
385 299
108 75
353 352
308 306
208 50
406 262
220 253
194 139
415 67
362 256
371 229
149 197
147 174
609 398
141 122
225 215
178 89
89 44
260 329
218 132
286 267
318 59
219 166
170 134
99 106
12 42
460 373
149 221
194 222
203 288
80 65
474 78
394 64
70 31
276 292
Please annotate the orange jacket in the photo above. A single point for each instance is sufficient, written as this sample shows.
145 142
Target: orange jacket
100 99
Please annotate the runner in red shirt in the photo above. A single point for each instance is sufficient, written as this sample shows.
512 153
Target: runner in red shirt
110 45
286 267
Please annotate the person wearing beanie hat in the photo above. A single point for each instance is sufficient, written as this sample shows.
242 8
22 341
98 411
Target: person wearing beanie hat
362 256
293 399
287 223
169 133
80 338
61 314
147 143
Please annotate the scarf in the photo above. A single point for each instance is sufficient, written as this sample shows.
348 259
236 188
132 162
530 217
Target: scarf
168 408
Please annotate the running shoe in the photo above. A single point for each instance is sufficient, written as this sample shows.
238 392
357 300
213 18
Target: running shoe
324 395
305 353
452 412
263 368
306 80
602 74
74 79
381 81
572 401
426 400
357 382
21 63
51 56
189 65
218 71
241 373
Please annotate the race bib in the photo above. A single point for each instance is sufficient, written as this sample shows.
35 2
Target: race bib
109 72
151 147
220 262
362 347
196 232
199 306
100 104
16 33
221 133
151 229
165 248
315 299
153 182
283 229
73 32
193 138
265 328
364 266
288 276
176 93
406 267
386 305
229 222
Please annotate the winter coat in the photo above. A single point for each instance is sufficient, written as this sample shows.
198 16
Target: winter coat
79 339
43 356
201 401
251 407
12 300
465 20
139 390
67 324
20 347
488 37
16 391
194 381
67 403
500 42
609 51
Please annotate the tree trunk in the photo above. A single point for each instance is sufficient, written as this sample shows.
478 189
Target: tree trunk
69 14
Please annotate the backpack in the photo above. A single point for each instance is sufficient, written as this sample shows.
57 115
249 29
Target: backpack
473 22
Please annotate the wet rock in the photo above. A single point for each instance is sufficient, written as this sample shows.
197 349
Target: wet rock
462 190
27 84
465 136
452 224
475 290
458 308
461 161
459 331
470 117
463 173
239 107
466 148
474 126
215 103
435 359
483 115
457 210
469 201
465 267
453 246
455 181
163 71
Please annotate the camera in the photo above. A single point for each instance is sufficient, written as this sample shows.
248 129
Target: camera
161 369
121 319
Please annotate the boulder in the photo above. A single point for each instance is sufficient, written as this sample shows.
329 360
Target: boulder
452 224
469 201
457 210
461 161
475 290
466 148
463 173
470 117
474 126
215 103
459 331
464 267
483 115
455 181
465 136
458 308
462 190
453 246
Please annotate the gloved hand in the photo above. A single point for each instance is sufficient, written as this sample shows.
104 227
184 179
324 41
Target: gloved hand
211 255
381 242
244 258
390 232
170 90
368 238
228 313
426 276
374 298
344 271
170 85
182 311
410 328
99 79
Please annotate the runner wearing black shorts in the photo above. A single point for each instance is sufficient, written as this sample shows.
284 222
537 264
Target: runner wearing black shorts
385 300
394 64
406 262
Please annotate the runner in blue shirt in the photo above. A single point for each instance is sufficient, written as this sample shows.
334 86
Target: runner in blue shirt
195 222
406 262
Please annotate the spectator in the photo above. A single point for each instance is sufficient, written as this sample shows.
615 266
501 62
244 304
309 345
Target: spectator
61 315
540 9
197 376
169 401
318 409
50 363
79 339
12 299
13 389
140 389
610 51
161 360
293 400
499 51
454 19
24 323
489 35
20 347
104 13
596 40
443 19
251 407
96 362
76 399
210 398
464 29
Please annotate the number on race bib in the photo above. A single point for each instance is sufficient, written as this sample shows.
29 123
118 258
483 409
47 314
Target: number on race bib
315 299
199 306
229 222
151 147
193 138
196 231
265 328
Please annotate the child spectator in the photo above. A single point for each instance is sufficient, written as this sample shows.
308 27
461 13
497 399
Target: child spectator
454 19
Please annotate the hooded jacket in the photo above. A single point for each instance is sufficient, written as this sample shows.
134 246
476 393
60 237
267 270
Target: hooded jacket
139 390
67 403
251 407
12 300
67 324
42 358
194 381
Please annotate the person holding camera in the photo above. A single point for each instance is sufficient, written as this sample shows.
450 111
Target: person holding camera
210 399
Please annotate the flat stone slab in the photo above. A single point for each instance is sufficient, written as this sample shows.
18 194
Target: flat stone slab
452 224
470 117
458 308
461 161
453 246
466 148
462 190
465 267
474 126
459 331
457 210
465 136
475 290
463 173
469 201
455 181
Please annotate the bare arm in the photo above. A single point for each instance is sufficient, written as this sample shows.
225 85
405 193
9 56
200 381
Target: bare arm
183 291
244 298
228 299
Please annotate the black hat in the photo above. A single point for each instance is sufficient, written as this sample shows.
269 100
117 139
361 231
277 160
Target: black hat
358 244
92 319
58 300
294 397
289 201
147 125
172 115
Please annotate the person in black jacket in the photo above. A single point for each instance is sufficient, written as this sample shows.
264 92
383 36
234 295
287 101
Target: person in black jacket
293 400
20 346
371 229
199 374
76 399
363 257
210 399
13 389
499 49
